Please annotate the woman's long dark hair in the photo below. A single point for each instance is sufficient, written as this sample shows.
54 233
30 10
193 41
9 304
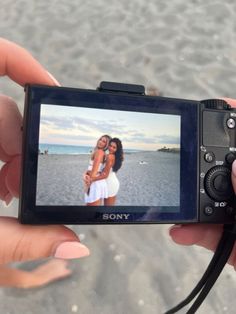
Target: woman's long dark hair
119 155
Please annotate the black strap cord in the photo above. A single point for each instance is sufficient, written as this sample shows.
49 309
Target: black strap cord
203 280
212 272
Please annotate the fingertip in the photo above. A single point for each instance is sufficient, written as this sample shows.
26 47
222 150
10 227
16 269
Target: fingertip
71 250
186 234
53 79
27 242
21 66
176 232
234 168
10 128
206 236
174 229
230 101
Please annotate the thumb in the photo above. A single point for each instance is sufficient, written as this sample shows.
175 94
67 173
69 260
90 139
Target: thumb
25 242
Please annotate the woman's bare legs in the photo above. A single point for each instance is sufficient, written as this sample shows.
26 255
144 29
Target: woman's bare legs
96 203
110 201
52 270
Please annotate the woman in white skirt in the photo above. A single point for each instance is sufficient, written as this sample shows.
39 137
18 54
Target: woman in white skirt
97 190
113 163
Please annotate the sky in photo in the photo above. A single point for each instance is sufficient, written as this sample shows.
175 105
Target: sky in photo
66 125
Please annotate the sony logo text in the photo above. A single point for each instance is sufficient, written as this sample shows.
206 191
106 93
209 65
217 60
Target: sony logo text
115 216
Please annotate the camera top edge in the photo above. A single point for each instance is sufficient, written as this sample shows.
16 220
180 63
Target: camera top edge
105 87
127 88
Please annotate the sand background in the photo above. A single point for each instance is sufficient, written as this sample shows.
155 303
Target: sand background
60 179
184 48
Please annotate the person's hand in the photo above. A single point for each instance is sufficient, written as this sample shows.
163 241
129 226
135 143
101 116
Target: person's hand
21 242
87 180
204 235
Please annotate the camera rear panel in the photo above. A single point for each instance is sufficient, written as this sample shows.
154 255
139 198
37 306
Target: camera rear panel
183 177
217 153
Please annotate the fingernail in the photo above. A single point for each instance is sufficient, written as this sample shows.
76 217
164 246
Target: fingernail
53 79
70 250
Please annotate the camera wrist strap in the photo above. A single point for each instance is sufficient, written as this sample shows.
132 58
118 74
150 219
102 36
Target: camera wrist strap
212 272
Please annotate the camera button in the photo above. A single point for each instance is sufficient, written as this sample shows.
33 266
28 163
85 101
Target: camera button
221 183
208 210
231 123
209 157
230 158
218 183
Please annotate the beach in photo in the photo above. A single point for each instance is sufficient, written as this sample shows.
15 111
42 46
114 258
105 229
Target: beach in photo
144 179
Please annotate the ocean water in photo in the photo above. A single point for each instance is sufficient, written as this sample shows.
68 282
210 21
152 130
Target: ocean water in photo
64 149
58 149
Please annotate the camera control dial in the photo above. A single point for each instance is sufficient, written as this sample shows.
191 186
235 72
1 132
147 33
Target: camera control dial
218 183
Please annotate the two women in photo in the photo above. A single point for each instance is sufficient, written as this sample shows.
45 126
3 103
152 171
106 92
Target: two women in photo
101 182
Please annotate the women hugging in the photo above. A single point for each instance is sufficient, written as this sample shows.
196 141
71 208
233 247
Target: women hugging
101 183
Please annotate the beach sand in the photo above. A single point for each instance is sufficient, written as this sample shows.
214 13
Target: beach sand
186 49
144 179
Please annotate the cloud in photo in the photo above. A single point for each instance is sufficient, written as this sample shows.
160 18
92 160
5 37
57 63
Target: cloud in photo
81 124
68 125
167 139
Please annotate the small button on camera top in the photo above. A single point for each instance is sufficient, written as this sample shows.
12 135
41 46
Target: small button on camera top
209 157
230 157
231 123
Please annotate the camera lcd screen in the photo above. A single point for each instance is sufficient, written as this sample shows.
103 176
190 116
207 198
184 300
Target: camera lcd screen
146 150
99 157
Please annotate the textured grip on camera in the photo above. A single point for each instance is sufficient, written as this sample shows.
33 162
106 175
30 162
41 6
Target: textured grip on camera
218 104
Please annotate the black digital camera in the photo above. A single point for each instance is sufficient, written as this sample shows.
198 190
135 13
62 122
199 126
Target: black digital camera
116 155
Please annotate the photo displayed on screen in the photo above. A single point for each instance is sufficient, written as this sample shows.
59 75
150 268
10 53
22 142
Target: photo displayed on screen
100 157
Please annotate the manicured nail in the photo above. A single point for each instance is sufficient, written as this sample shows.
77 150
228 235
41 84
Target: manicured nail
53 79
70 250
